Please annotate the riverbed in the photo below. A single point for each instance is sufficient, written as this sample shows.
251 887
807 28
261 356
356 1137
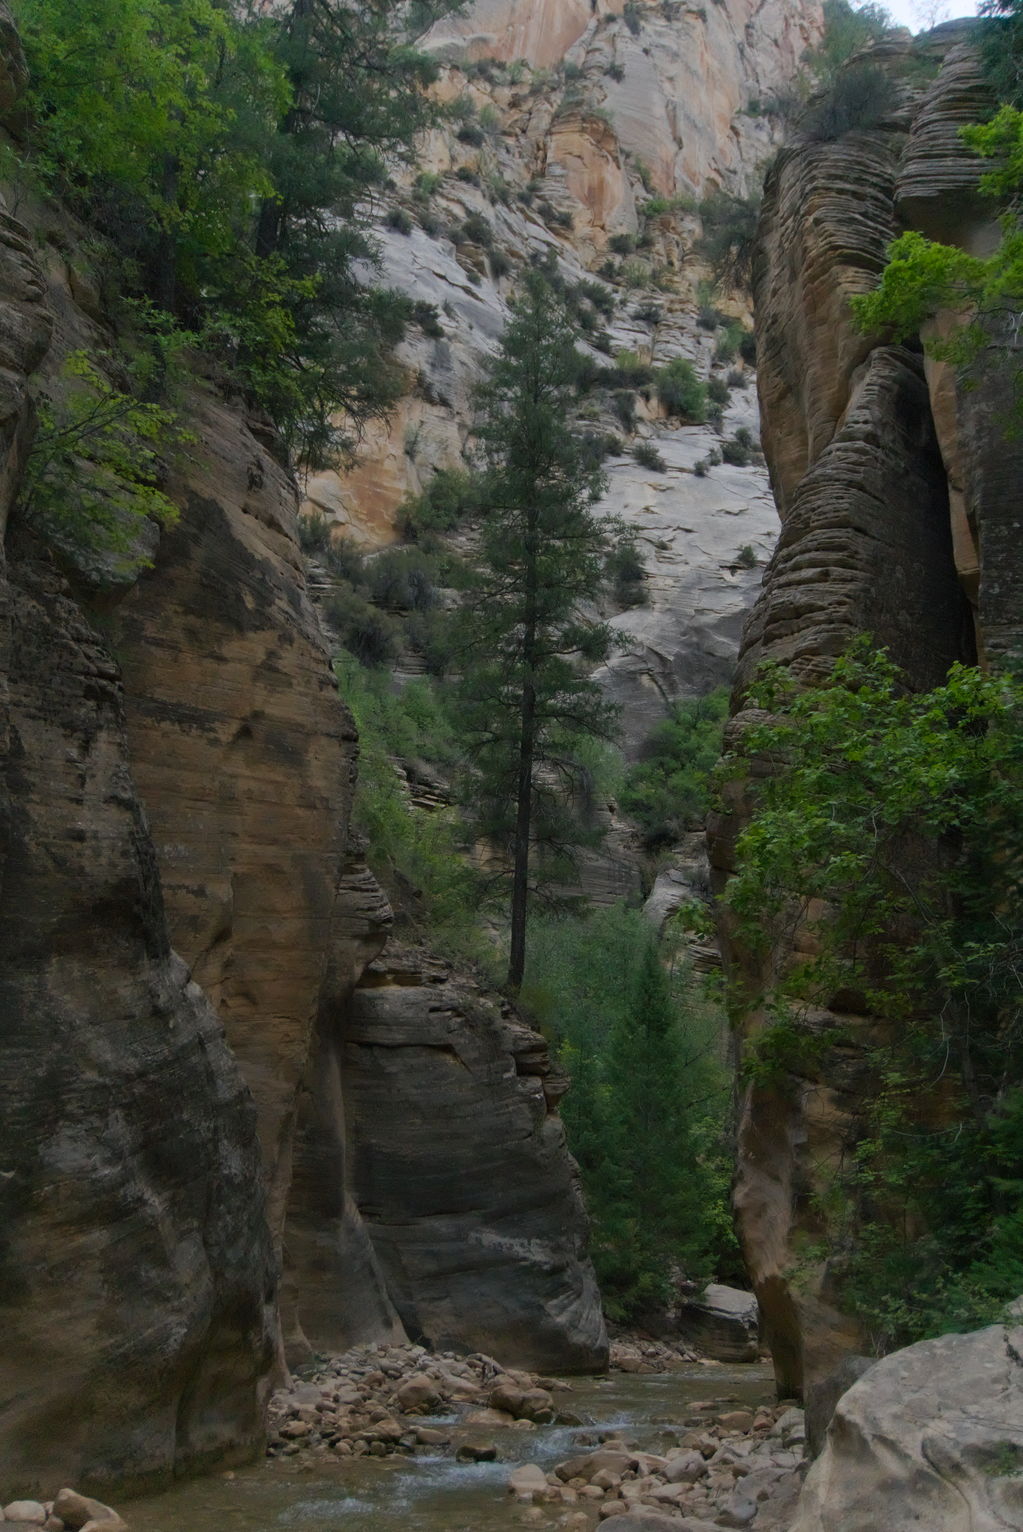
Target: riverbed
432 1491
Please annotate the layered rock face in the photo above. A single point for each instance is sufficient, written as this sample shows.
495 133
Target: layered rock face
473 1207
894 488
136 1273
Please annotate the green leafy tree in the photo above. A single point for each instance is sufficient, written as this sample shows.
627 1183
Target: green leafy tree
356 96
924 276
666 790
228 154
528 641
883 866
647 1112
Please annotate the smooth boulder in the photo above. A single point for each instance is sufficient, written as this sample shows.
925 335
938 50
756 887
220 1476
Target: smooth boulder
724 1322
931 1437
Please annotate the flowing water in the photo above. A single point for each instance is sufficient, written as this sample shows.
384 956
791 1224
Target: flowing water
432 1492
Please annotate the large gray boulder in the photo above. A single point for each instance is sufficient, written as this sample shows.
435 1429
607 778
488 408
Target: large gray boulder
724 1322
930 1438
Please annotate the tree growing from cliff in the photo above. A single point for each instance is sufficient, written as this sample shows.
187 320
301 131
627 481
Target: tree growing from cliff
228 153
528 636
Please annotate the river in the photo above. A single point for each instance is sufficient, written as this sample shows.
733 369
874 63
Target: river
432 1491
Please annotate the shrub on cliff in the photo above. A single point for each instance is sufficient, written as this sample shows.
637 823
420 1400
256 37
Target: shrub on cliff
856 99
666 790
226 154
680 391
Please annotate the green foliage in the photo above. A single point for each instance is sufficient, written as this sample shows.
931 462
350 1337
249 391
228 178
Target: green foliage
528 642
451 498
717 391
729 236
419 855
857 98
227 155
680 391
92 479
627 574
847 30
889 839
740 448
478 230
647 456
397 219
647 1106
666 791
369 634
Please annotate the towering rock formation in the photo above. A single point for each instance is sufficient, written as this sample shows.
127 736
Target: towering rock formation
136 1274
896 492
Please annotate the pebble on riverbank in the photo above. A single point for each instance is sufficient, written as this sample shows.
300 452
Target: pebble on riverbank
743 1469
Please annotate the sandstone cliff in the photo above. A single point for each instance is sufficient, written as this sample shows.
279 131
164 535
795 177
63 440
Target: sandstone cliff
895 487
136 1272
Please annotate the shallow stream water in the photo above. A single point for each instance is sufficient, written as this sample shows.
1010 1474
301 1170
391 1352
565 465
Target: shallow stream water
432 1492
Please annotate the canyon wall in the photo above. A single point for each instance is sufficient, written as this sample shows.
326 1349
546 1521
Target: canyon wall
895 486
137 1277
197 1094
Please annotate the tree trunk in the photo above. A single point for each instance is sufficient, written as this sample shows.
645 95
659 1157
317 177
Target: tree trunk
524 787
523 817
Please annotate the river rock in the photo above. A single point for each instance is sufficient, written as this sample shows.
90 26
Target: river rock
30 1512
522 1404
723 1322
489 1417
685 1468
738 1511
76 1510
528 1480
418 1395
933 1434
643 1520
476 1452
588 1464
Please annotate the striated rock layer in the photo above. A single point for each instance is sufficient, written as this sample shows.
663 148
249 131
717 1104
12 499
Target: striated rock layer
182 921
897 490
461 1171
136 1274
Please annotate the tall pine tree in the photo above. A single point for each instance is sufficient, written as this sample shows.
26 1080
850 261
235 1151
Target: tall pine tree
530 638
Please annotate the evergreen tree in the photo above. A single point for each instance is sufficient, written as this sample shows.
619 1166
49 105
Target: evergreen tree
647 1113
528 703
